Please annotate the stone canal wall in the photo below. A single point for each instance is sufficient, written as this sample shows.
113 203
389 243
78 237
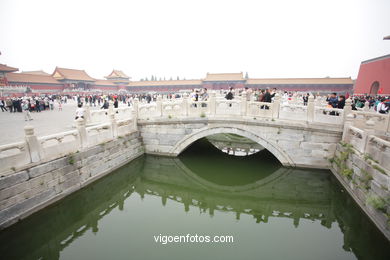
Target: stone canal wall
37 185
362 165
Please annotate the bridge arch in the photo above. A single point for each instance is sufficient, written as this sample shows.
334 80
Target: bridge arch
273 148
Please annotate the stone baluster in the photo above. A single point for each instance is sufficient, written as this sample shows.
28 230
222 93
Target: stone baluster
212 102
310 109
135 106
276 106
387 124
83 136
110 107
366 106
244 103
185 104
34 147
114 126
348 121
159 106
369 130
347 109
87 113
134 116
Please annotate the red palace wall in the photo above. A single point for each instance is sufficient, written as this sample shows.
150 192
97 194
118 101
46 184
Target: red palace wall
377 70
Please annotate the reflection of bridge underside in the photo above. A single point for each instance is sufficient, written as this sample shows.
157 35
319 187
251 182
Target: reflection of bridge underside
285 193
280 196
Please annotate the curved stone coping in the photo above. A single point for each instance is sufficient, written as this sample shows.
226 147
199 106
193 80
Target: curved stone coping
318 127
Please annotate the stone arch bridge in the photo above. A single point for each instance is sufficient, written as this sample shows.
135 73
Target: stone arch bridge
293 144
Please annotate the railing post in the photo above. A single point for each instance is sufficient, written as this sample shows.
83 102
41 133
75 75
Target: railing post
34 147
80 125
87 113
387 124
347 109
310 109
135 106
369 130
243 103
114 126
159 106
347 123
134 117
276 106
185 104
110 107
212 103
366 106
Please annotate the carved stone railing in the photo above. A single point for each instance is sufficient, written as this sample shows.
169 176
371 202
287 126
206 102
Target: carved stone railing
35 149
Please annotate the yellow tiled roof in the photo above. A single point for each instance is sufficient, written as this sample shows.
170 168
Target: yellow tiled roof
292 81
224 76
165 83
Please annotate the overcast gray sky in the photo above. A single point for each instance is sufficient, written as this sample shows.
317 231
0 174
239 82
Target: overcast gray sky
187 38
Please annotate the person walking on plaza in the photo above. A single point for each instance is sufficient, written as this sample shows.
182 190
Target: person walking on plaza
59 105
8 104
26 110
2 105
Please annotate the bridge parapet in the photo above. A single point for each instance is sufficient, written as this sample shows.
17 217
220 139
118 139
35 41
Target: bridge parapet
240 107
36 150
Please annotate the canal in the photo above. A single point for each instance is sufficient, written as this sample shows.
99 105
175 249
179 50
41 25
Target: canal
269 211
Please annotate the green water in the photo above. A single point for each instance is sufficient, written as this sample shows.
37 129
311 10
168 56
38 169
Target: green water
272 213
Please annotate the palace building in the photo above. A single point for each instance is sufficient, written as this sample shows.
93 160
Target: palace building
374 76
67 81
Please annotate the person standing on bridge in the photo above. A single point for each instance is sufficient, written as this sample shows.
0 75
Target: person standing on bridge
79 111
229 95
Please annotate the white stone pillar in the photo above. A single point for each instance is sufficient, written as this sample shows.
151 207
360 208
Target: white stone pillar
243 103
134 117
34 147
276 106
369 130
347 109
185 104
212 102
87 113
348 121
114 126
135 106
83 137
366 106
159 106
310 109
110 107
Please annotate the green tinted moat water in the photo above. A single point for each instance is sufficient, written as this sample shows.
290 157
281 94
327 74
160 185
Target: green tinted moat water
272 213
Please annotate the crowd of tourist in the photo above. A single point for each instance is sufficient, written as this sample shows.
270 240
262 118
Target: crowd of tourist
27 104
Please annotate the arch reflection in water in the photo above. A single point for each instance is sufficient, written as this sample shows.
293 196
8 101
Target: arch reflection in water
273 193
